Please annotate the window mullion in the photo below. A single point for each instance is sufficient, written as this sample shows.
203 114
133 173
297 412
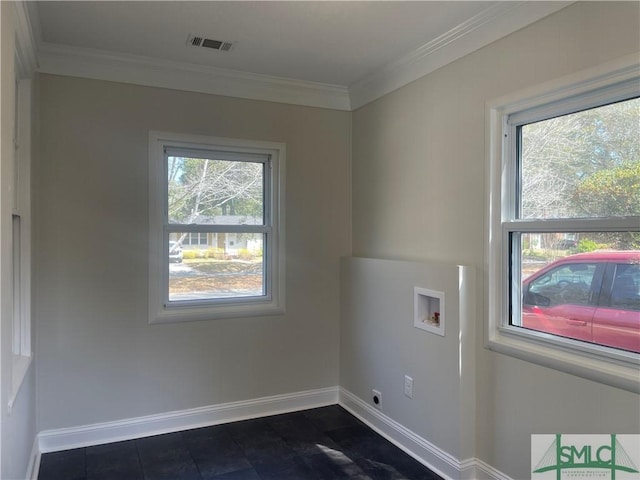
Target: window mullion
180 228
574 225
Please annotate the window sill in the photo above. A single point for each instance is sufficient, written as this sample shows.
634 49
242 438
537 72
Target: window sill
196 314
19 368
601 365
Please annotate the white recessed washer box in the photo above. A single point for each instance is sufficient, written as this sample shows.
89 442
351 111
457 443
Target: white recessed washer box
428 310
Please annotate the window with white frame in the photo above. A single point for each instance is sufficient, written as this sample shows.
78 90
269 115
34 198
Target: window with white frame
216 227
564 246
195 238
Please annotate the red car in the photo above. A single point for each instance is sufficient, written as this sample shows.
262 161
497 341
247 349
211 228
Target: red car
594 297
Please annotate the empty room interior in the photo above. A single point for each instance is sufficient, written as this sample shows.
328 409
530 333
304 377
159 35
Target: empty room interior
220 211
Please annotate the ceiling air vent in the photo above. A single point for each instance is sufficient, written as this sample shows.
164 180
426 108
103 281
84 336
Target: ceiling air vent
200 41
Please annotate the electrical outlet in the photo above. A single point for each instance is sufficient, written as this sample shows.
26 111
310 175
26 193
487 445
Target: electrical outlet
408 386
376 398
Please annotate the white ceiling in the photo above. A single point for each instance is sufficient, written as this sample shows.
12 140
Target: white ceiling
328 42
322 48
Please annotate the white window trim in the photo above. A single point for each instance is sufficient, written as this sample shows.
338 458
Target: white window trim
22 355
159 310
593 362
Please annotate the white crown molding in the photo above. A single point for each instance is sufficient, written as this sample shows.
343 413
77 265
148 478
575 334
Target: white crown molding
26 25
97 64
498 21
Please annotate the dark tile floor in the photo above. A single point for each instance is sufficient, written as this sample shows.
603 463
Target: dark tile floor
319 444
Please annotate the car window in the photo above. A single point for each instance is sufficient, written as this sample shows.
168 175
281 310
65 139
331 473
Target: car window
565 284
625 291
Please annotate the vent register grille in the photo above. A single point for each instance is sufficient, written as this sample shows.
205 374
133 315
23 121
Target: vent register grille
201 41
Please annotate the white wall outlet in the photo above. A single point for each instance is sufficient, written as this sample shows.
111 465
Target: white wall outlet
376 398
408 386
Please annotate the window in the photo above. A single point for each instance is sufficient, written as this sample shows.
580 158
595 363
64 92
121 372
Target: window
195 238
564 241
216 228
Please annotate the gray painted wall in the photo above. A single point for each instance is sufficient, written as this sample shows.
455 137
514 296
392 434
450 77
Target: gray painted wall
18 427
19 430
99 358
380 345
419 193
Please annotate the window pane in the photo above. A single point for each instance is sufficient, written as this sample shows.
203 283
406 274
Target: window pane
229 265
221 192
625 292
585 164
583 286
564 285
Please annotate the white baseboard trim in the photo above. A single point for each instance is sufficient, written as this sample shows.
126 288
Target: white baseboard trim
441 462
433 457
482 470
99 433
419 448
34 461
